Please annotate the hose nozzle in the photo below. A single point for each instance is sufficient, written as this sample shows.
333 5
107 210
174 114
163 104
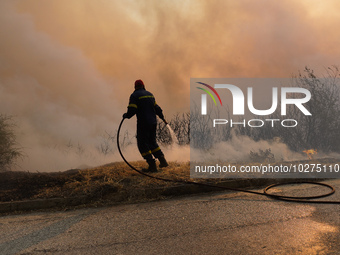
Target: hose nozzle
165 122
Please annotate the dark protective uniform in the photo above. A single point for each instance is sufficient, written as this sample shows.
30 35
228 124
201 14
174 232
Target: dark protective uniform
143 104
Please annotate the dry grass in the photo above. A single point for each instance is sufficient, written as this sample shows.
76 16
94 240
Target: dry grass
114 182
98 183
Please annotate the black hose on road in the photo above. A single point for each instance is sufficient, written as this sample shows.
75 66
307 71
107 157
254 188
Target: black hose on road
302 199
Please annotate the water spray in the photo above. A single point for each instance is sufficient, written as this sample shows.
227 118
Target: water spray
172 132
302 199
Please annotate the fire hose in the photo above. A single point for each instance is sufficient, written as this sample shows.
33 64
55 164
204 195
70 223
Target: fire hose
298 199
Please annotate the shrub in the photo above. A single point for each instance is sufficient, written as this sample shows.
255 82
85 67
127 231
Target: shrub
9 151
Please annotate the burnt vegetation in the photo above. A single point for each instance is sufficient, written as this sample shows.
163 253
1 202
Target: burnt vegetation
180 124
320 131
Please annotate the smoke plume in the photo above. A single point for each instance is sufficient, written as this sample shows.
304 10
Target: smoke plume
67 67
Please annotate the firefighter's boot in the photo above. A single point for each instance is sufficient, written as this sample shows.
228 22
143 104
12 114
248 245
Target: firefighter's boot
163 162
152 166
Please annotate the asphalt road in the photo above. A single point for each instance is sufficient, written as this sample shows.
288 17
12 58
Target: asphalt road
223 223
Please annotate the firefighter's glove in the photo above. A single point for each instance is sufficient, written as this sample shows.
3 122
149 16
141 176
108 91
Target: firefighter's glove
125 116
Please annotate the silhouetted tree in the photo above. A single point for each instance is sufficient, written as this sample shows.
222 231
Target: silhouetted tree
9 151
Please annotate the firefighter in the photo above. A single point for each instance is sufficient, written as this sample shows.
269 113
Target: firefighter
143 104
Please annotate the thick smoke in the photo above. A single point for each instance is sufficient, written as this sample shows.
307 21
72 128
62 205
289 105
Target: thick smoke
167 42
67 67
238 149
55 93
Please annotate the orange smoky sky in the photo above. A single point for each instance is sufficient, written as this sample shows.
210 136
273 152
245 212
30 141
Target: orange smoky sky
67 68
167 42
